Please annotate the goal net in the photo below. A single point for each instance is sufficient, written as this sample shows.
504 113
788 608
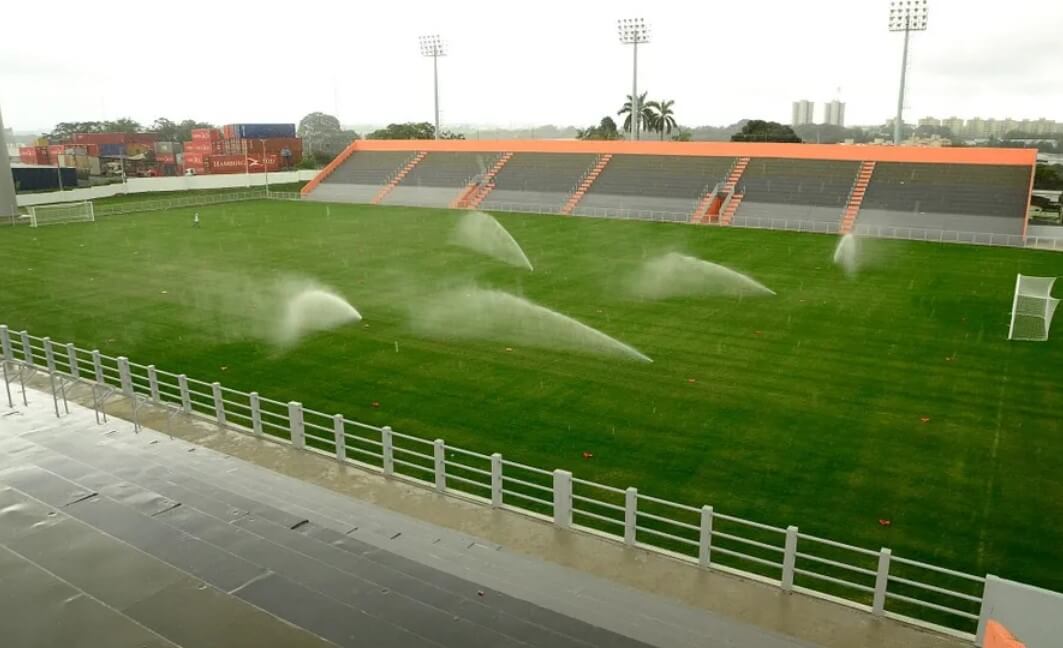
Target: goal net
1032 310
78 212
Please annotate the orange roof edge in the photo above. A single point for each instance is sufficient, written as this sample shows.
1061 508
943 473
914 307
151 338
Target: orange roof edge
861 153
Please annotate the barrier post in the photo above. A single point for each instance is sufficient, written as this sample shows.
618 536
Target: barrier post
219 404
387 450
439 452
256 413
882 579
49 354
562 498
789 558
5 343
705 537
631 515
496 480
186 398
97 366
123 375
340 437
153 383
295 422
72 360
27 350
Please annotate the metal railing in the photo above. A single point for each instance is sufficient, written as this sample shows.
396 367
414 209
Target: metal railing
873 580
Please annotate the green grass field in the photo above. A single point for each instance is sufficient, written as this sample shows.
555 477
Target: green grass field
836 403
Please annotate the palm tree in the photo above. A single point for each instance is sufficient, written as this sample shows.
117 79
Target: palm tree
646 113
663 117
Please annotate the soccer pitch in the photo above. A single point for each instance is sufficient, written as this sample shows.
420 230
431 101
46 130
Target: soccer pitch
834 404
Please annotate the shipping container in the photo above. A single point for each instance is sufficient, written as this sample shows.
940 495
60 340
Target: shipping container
166 158
206 134
101 138
168 147
242 164
261 131
112 150
42 178
34 155
194 159
40 141
55 150
207 147
147 139
137 148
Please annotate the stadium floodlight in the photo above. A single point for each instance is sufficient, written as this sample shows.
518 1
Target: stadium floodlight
633 31
905 16
432 45
1032 309
78 212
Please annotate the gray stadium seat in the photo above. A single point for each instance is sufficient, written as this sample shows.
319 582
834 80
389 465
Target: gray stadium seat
361 176
957 198
538 181
795 190
439 178
670 184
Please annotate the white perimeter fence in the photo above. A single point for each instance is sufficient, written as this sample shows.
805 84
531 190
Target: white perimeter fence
876 581
815 227
173 183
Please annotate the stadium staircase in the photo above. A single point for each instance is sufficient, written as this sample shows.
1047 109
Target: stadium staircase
586 183
477 190
398 177
731 201
856 196
701 212
730 207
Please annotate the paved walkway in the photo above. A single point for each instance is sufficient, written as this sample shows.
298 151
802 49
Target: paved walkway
632 592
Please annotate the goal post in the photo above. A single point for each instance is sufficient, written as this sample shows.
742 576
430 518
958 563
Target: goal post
1032 308
78 212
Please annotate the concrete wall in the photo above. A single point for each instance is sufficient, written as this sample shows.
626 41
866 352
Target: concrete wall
177 183
1032 614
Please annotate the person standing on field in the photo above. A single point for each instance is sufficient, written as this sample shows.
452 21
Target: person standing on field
195 221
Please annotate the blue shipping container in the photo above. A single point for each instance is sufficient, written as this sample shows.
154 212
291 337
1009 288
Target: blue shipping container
264 131
43 178
112 150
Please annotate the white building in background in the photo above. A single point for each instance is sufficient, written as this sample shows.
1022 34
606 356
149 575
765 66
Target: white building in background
802 112
834 113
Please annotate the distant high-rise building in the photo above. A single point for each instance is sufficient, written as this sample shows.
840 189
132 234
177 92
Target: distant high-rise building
802 112
954 124
931 121
834 113
976 127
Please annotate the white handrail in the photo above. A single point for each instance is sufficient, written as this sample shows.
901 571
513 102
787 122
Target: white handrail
172 390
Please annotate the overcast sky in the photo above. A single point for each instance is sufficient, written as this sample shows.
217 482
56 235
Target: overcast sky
518 63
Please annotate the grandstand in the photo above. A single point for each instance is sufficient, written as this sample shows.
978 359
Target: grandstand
827 188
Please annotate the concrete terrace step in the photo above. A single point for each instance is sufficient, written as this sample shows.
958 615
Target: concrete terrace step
79 586
318 560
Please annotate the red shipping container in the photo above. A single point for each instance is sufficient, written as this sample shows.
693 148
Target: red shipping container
229 131
194 159
101 138
243 164
55 150
166 158
206 134
141 138
206 147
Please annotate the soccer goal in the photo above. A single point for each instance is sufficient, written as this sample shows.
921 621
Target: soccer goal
78 212
1032 310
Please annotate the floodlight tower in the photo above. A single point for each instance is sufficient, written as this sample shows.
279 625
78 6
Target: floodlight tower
905 16
432 45
8 206
633 31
